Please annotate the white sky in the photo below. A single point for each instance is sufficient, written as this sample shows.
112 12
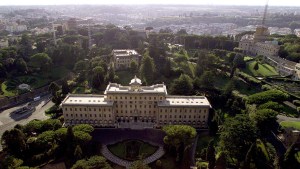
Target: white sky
206 2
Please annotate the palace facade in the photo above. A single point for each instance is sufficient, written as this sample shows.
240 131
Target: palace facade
135 105
122 58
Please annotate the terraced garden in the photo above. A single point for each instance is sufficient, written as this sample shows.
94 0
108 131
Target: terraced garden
263 69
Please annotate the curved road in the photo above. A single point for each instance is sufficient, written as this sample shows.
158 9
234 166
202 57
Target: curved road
8 120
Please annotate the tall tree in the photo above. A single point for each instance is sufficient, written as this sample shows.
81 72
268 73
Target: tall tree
237 135
210 155
13 141
41 61
133 66
182 86
266 120
65 88
98 76
78 152
147 69
179 136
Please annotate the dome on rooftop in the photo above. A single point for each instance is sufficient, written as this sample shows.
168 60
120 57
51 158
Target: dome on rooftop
135 81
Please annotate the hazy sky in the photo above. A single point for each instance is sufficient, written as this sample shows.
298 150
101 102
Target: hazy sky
207 2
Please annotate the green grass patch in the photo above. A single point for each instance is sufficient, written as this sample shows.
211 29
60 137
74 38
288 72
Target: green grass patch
6 92
293 124
52 110
263 69
143 149
248 58
10 86
118 150
241 87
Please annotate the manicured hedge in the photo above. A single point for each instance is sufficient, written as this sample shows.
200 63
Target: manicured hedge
249 78
270 95
271 105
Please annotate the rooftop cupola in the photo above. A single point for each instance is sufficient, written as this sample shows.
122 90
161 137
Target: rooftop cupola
135 84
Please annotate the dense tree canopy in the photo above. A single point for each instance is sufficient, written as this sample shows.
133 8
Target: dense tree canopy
41 61
182 86
147 69
92 163
237 135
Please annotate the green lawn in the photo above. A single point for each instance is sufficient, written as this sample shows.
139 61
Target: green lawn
248 58
145 149
241 86
118 150
263 69
37 80
9 87
293 124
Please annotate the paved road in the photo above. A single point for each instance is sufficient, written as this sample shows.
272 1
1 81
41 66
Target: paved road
8 119
285 118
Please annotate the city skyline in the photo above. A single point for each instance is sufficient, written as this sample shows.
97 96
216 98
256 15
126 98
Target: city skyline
132 2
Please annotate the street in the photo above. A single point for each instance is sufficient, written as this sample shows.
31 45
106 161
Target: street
8 119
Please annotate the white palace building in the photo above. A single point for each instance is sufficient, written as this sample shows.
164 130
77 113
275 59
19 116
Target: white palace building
135 106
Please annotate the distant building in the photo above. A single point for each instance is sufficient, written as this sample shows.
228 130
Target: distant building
3 43
297 72
39 31
136 106
72 24
14 27
123 57
257 45
297 32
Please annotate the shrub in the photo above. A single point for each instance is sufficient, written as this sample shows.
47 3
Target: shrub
266 87
249 78
270 95
298 109
271 105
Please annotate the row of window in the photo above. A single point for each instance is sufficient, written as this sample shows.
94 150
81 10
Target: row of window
135 106
85 109
135 97
125 111
185 110
85 115
180 116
